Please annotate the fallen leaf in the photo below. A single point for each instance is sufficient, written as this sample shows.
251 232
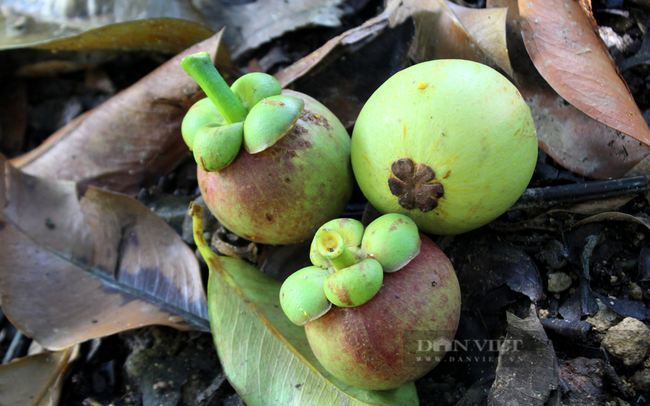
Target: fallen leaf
79 267
625 307
165 26
572 138
563 43
581 303
266 357
154 34
485 262
253 23
129 140
641 219
449 31
527 373
35 380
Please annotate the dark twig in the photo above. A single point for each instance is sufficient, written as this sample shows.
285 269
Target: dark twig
545 197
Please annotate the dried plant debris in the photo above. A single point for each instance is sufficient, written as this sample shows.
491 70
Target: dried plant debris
527 373
485 262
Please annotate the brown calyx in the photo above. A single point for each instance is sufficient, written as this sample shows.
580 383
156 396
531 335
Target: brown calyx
410 185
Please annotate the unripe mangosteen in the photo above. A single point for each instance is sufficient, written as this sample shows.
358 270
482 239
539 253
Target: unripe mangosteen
375 345
382 300
272 167
449 143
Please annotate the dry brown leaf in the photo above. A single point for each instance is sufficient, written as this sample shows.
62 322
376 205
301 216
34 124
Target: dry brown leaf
253 23
131 139
454 32
74 268
161 25
35 380
566 49
573 139
154 34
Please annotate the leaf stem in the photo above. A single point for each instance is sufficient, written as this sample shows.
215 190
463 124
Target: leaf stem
200 67
330 245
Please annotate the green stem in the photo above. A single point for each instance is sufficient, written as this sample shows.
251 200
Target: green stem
331 246
200 67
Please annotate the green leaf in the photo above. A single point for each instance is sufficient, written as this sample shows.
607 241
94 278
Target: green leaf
266 357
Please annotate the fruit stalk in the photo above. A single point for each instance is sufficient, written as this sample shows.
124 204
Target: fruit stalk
330 245
199 66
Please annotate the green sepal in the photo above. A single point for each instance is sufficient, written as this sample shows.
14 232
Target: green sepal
302 297
254 87
215 147
269 120
354 285
201 113
393 240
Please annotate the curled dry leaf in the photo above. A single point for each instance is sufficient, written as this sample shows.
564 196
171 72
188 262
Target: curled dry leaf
162 25
253 23
35 380
572 138
74 268
129 140
449 31
266 357
563 43
641 219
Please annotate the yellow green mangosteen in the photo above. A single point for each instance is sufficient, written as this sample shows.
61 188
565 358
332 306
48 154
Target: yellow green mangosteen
273 165
449 143
367 289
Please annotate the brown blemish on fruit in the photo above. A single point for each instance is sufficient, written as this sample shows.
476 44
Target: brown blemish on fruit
411 185
342 294
307 115
269 217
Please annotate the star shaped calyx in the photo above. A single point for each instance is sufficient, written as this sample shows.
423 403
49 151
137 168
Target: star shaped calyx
410 185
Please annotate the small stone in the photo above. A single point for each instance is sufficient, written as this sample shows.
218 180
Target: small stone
613 279
559 282
628 341
605 318
636 293
544 314
641 380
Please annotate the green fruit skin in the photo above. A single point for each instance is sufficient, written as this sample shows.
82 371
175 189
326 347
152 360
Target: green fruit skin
364 346
469 124
284 193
